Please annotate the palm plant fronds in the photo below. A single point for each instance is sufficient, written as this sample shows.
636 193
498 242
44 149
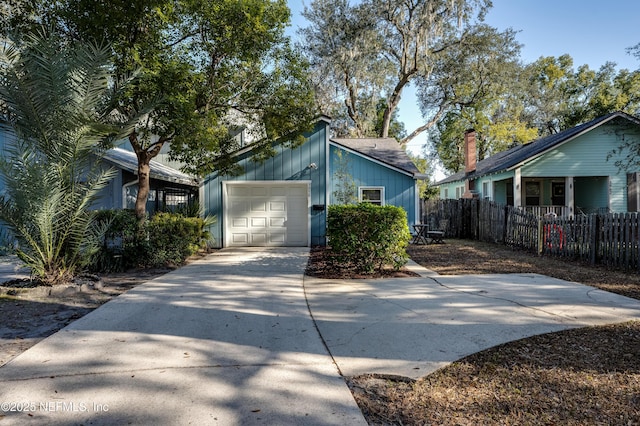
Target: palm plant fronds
53 96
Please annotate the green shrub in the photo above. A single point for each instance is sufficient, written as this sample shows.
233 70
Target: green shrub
124 245
173 238
366 237
167 239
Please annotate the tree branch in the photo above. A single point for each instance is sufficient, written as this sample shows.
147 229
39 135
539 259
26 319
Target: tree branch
424 127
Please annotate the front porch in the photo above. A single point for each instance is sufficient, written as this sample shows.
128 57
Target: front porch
562 196
559 211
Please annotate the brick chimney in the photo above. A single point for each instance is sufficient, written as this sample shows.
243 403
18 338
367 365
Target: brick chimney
470 151
469 163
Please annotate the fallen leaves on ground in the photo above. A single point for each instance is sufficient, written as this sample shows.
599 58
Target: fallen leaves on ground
588 376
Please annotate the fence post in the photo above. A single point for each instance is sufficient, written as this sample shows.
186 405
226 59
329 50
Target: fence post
540 236
593 246
506 223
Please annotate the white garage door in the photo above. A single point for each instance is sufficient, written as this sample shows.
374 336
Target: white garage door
266 213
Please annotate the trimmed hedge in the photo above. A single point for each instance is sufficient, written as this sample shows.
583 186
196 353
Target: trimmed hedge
167 239
173 238
366 237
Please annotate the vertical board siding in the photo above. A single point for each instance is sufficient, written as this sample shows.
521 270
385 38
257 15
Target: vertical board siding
110 197
287 164
400 189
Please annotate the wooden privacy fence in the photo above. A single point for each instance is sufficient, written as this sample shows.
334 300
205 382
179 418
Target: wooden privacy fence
609 239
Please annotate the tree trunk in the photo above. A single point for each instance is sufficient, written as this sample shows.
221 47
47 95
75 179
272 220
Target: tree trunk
144 159
143 186
394 100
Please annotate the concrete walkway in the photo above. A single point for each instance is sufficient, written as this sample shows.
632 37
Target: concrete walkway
413 326
227 340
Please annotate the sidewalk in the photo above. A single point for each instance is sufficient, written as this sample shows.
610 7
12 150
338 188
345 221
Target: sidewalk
227 340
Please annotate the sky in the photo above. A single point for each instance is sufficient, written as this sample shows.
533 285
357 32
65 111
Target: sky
591 31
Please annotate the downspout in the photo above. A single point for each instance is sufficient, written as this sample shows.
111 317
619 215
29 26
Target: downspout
327 151
418 203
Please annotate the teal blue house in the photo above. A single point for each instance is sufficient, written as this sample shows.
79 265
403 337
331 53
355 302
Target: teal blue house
284 200
568 173
280 201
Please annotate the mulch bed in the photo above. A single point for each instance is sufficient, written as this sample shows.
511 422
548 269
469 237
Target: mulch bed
320 266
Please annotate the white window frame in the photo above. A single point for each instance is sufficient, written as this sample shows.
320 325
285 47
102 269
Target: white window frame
486 190
361 189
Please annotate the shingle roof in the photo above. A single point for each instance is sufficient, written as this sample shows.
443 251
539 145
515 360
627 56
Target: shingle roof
385 150
127 160
507 159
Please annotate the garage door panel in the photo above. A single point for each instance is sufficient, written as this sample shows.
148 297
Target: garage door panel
240 222
298 191
258 222
258 239
277 206
259 205
258 191
277 238
240 206
279 191
295 239
238 191
277 222
297 207
238 238
264 214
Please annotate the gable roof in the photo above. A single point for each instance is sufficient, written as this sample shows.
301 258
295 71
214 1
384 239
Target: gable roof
384 150
513 157
128 161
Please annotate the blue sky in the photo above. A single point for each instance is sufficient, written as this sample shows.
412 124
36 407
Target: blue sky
591 31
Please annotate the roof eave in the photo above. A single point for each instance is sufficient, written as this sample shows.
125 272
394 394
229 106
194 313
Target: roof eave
375 160
566 140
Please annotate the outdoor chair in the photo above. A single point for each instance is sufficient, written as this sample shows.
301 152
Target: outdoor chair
436 236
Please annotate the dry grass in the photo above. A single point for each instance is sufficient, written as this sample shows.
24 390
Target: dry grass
588 376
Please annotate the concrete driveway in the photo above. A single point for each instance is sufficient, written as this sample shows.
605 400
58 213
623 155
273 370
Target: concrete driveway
413 326
227 340
230 340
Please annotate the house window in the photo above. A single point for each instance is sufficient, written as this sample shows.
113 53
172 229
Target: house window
557 194
485 190
446 193
532 193
371 194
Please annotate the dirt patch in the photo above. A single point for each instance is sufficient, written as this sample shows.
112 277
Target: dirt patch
563 378
31 312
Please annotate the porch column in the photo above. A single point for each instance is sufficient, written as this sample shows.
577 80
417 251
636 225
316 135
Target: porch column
569 199
517 188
